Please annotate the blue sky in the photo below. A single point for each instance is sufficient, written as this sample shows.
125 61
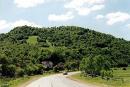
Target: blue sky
108 16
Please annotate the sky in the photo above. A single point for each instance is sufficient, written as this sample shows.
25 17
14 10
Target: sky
107 16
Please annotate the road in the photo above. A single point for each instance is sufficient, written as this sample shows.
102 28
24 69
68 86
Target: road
57 80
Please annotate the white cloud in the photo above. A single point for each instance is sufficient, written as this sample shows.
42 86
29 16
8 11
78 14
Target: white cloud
128 25
62 17
83 11
4 24
97 7
24 22
99 17
85 7
28 3
115 17
80 3
7 26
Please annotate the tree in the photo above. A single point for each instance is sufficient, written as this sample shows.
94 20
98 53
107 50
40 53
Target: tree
72 65
94 66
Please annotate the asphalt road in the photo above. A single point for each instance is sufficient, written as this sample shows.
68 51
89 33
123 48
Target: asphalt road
57 80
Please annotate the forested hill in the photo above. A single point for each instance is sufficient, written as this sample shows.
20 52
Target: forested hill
25 48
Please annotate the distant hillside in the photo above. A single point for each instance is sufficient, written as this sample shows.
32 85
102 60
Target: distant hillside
27 46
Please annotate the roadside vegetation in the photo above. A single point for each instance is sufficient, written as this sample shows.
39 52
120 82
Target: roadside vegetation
121 78
29 51
21 81
14 82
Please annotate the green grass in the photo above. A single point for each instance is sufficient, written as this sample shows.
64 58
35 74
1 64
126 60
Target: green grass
12 82
15 82
32 40
121 79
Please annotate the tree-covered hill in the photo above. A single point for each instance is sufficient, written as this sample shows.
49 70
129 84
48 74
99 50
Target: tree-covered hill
63 46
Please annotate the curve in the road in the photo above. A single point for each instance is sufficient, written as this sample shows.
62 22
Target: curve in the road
57 80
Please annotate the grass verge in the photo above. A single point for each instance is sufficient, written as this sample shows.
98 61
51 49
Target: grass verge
121 79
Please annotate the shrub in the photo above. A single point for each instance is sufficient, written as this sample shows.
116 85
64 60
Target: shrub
29 70
20 72
40 68
124 68
106 74
96 66
9 70
72 65
5 85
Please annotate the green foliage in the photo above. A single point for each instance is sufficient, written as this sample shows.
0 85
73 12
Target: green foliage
24 49
8 70
96 66
106 74
5 85
121 78
32 40
72 65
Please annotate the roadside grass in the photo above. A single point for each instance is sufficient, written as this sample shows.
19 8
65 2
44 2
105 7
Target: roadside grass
32 40
14 82
121 79
20 82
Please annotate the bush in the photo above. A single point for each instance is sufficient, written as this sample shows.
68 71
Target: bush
106 74
40 68
72 65
9 70
58 67
5 85
29 70
34 69
124 68
55 69
96 66
20 72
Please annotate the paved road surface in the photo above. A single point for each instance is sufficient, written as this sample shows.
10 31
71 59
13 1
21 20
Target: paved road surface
57 80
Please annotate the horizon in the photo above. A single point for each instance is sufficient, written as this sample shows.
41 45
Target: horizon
106 16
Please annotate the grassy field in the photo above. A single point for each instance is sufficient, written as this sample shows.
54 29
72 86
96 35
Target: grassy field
20 82
32 40
121 79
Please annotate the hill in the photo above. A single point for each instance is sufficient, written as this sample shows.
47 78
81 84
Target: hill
26 50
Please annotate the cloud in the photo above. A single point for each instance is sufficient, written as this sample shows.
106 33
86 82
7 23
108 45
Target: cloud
83 11
7 26
128 25
115 17
81 7
85 7
28 3
4 24
97 7
62 17
24 22
99 17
